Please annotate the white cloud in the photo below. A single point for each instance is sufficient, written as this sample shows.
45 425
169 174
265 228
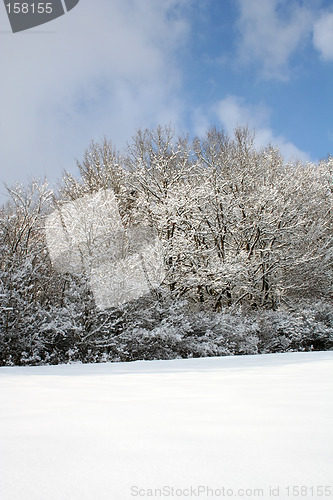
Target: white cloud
233 112
323 36
200 122
270 31
105 68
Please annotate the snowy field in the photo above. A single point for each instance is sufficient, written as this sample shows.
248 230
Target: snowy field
232 427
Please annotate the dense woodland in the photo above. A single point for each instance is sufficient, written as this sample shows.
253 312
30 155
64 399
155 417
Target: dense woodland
247 250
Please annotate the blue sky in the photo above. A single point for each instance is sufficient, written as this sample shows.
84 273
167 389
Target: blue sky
107 68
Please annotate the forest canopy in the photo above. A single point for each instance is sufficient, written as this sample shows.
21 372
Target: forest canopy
241 242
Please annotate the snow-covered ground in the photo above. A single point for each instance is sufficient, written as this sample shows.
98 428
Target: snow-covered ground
232 427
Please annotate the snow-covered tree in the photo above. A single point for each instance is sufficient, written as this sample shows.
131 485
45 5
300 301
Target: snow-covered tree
225 225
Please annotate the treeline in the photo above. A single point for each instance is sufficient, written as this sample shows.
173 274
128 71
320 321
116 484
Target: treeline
247 255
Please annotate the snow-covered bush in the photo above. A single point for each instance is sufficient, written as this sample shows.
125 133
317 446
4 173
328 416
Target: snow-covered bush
301 327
